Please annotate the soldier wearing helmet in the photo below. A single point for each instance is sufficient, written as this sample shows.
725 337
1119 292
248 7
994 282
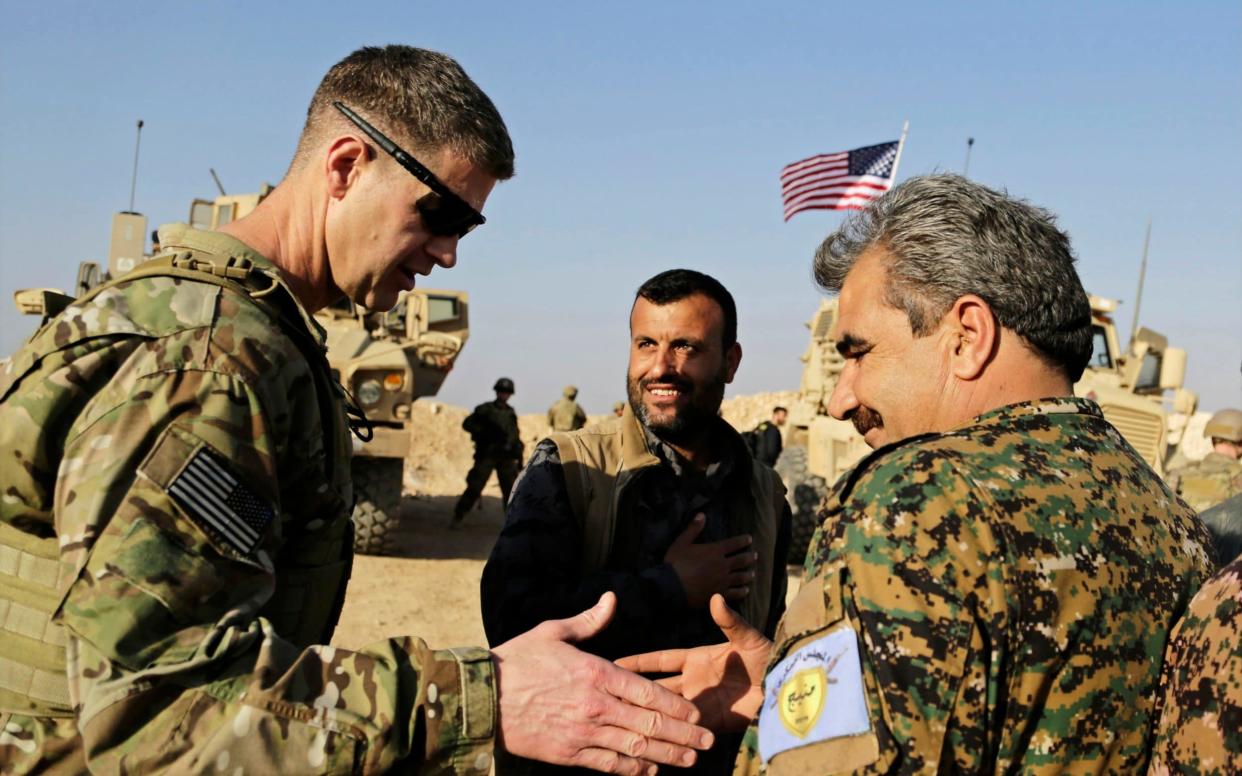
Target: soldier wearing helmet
566 414
1218 476
497 447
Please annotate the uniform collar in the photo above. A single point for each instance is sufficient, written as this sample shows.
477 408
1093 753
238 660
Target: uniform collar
1054 405
185 236
716 470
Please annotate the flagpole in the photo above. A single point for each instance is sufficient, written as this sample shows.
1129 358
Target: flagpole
901 144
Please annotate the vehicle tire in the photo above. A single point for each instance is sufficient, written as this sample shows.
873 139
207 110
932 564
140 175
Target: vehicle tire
805 492
377 503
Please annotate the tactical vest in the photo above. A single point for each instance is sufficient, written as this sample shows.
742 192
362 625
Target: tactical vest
312 569
600 462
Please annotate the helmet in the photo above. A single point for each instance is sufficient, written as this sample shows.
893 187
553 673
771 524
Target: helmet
618 407
1226 424
570 392
504 385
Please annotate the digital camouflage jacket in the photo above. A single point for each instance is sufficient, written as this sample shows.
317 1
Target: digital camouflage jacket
1201 726
995 598
175 543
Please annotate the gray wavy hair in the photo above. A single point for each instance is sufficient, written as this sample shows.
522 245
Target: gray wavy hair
947 237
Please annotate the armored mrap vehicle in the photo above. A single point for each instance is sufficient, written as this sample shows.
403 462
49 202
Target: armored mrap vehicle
387 361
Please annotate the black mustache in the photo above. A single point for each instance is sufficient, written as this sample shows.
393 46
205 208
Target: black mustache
866 419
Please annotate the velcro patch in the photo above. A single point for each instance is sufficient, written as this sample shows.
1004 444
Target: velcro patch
219 504
814 695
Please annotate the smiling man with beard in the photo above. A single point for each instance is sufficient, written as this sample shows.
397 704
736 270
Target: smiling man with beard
663 506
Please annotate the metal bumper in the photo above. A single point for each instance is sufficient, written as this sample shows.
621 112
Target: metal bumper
386 443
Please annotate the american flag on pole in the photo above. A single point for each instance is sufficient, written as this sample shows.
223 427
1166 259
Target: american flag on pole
842 181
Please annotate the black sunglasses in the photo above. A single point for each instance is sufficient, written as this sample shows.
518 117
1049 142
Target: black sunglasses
445 213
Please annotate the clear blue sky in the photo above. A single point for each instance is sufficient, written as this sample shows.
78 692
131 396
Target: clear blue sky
651 135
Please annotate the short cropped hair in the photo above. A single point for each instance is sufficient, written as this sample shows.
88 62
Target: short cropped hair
676 284
422 99
945 237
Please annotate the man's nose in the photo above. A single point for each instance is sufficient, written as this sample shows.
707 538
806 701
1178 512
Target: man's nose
843 401
443 250
662 363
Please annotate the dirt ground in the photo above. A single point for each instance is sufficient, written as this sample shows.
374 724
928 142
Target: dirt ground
429 587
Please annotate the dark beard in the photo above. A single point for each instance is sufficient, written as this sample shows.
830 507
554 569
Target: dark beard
688 423
865 419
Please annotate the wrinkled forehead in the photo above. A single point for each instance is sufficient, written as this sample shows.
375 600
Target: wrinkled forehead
696 315
865 285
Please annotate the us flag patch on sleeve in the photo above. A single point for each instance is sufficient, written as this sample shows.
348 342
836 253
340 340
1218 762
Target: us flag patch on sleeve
219 504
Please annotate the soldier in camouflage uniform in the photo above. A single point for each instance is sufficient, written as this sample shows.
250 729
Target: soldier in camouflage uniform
497 448
990 590
1218 476
174 530
1200 729
566 414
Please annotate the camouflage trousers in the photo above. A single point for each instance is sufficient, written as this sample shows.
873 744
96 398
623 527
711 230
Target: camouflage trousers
506 472
40 745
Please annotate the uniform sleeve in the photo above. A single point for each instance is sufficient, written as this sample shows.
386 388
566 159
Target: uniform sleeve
1200 728
891 578
535 571
171 666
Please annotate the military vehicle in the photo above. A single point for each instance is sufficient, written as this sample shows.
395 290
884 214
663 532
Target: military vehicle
385 361
1140 392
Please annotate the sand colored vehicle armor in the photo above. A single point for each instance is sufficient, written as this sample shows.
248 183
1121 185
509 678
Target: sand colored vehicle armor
385 360
1140 391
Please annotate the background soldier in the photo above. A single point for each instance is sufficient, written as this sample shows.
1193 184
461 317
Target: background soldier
497 447
618 409
175 527
566 414
992 588
1218 476
767 437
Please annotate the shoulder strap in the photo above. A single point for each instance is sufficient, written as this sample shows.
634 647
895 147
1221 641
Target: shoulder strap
576 485
595 513
239 275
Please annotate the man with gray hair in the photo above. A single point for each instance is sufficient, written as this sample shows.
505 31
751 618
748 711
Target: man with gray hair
175 527
992 588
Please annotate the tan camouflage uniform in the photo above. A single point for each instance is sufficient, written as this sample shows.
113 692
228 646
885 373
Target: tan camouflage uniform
1011 583
1208 482
173 645
566 415
1200 729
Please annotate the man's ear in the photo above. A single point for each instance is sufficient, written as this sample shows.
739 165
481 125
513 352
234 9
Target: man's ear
974 336
733 357
347 157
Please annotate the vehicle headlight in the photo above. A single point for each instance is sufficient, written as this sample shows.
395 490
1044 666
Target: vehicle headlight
369 392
